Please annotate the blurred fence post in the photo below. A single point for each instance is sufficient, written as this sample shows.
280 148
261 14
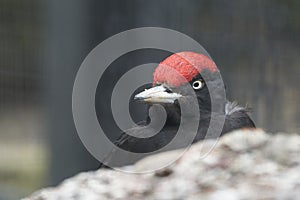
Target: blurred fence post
67 33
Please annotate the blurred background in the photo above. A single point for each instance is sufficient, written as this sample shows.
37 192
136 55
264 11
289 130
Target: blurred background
42 44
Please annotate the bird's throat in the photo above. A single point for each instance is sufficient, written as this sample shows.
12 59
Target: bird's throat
173 115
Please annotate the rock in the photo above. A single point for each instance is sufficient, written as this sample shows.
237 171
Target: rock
245 164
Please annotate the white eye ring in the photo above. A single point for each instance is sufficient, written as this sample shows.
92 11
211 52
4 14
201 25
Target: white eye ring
198 85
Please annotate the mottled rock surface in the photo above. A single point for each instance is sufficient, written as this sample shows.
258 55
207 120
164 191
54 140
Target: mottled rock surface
245 164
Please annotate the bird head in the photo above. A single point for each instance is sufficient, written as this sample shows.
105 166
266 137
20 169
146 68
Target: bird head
178 72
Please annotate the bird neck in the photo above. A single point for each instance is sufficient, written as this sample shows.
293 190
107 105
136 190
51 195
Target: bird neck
173 114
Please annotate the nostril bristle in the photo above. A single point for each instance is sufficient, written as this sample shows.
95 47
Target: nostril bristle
168 90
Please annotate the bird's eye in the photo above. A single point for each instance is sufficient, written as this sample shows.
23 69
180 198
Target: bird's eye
198 85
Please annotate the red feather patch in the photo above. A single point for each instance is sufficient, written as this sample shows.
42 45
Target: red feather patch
180 68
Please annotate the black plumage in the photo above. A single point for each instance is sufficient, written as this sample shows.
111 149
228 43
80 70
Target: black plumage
172 99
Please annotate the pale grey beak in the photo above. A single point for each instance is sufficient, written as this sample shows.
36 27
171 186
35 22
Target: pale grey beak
157 94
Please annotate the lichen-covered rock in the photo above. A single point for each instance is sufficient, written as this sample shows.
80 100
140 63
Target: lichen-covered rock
245 164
